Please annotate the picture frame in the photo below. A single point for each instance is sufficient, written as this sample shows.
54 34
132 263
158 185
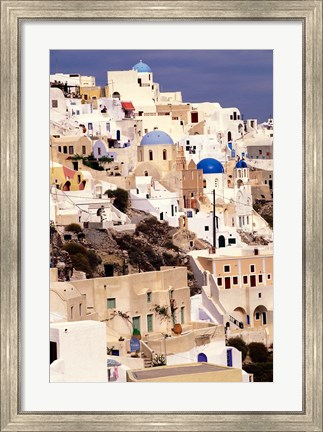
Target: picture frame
15 12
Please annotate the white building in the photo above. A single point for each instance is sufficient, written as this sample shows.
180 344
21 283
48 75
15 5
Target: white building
73 79
150 196
78 352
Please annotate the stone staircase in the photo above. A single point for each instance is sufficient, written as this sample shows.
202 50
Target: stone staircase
147 361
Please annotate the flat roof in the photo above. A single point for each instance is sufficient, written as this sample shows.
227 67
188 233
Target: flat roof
166 371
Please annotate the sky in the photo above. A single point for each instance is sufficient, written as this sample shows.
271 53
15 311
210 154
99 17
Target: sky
234 78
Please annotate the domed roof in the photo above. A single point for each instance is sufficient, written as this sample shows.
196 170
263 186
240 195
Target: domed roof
156 137
210 166
241 164
141 67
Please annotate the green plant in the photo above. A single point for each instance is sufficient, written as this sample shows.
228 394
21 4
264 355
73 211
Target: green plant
121 198
83 259
258 352
109 350
240 344
159 360
262 372
74 227
163 312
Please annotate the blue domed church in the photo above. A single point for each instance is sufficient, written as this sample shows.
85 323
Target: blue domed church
213 174
156 154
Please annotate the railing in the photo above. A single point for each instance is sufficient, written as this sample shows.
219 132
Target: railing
236 322
148 352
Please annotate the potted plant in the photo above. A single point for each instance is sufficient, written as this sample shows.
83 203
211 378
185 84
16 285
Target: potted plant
136 334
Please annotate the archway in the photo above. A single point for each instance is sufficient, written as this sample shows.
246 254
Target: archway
67 186
260 316
202 358
82 185
221 241
240 314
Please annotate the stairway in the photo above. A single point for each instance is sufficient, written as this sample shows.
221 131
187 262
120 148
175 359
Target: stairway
236 322
147 361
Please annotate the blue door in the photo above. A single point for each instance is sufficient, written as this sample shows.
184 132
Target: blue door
202 358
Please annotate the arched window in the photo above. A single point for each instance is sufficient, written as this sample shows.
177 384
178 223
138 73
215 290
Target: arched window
239 173
146 173
151 157
116 95
164 154
229 136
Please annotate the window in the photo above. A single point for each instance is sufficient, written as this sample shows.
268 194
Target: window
227 268
259 295
247 220
260 152
187 142
107 126
245 280
235 280
65 149
72 312
70 150
164 154
232 241
54 103
78 179
252 268
151 155
99 151
150 323
260 278
219 281
80 309
83 150
268 276
206 228
111 303
59 149
204 184
148 297
171 294
90 126
257 316
227 282
182 314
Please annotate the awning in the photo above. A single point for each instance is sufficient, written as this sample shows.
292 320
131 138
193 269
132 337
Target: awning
127 106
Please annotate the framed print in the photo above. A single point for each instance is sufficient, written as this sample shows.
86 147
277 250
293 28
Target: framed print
33 36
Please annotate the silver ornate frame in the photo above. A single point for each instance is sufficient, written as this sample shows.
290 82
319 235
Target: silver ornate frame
309 12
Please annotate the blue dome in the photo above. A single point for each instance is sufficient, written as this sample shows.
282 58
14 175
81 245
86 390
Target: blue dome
241 164
141 67
156 137
210 166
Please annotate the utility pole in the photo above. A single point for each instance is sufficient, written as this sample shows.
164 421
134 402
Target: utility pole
214 222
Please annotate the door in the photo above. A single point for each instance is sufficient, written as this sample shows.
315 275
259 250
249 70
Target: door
136 323
53 352
229 357
227 282
221 241
201 358
253 280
